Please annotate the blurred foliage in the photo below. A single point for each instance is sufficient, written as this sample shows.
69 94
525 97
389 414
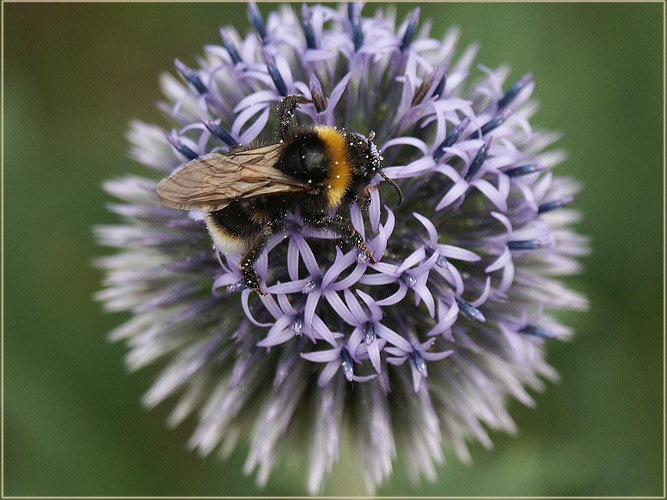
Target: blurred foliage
75 74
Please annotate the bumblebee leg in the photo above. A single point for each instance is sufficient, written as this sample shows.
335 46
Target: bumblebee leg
344 228
364 199
248 260
285 111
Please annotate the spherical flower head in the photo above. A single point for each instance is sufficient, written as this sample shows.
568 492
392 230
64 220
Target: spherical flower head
417 352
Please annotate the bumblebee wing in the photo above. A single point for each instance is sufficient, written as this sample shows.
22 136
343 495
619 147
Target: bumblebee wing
213 181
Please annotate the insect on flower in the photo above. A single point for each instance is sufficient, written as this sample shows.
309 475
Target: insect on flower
411 356
247 193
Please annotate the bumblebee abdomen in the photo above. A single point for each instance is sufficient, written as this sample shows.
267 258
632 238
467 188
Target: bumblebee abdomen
234 227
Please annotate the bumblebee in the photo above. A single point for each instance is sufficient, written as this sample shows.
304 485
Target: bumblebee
246 193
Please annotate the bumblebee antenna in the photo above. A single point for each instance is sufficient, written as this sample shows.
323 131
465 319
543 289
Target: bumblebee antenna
392 184
369 141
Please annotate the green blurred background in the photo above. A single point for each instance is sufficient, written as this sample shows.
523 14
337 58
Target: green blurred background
75 74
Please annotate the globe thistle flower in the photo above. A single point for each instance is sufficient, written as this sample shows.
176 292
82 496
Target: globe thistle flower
418 352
